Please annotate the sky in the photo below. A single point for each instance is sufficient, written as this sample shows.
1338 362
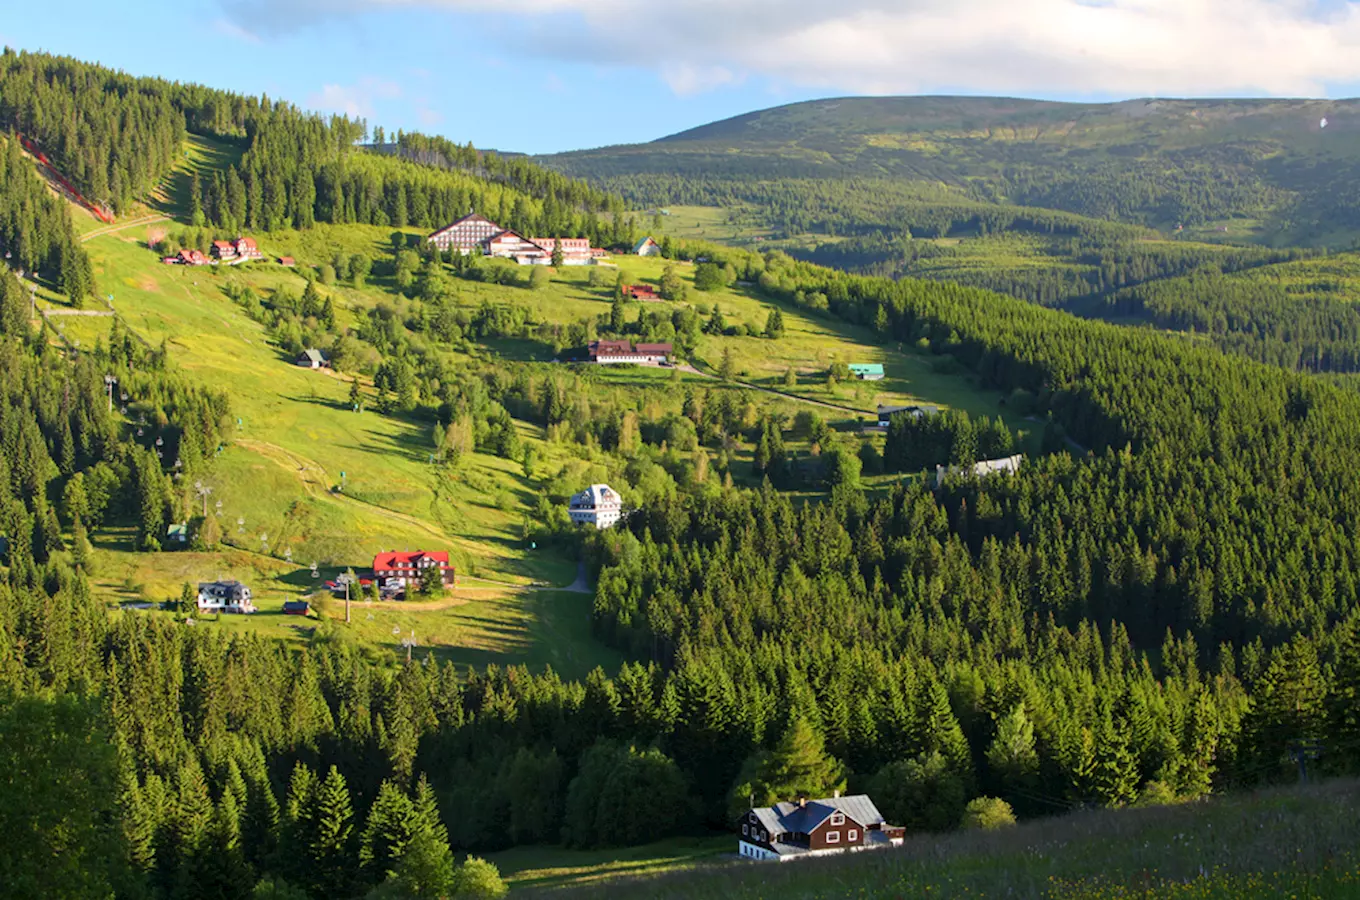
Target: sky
542 76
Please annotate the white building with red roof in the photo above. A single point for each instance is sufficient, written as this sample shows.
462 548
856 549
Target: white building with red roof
397 570
478 233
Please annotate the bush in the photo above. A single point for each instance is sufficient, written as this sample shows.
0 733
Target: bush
708 277
479 879
987 814
920 794
1156 793
538 278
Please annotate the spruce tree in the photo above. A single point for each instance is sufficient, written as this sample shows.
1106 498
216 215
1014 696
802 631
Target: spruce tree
797 767
1011 756
330 847
391 823
1344 702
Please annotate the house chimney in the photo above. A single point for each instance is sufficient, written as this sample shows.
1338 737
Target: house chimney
837 794
802 802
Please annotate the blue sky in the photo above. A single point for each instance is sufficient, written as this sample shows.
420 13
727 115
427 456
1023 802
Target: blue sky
546 75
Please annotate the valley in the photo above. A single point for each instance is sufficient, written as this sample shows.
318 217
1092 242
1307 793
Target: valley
387 518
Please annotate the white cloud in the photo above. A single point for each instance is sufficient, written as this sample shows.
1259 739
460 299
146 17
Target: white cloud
354 100
1127 47
428 116
234 30
686 79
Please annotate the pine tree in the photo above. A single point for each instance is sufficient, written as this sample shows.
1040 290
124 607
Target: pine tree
330 848
137 818
1344 702
798 766
774 324
1288 704
391 824
1114 775
941 732
1011 755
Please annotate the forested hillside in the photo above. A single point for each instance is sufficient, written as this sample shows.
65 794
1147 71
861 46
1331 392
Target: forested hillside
117 138
1268 165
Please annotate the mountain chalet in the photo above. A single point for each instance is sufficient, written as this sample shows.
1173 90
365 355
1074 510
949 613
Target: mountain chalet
837 824
474 233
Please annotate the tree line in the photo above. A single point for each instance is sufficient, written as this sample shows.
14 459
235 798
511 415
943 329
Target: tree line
35 229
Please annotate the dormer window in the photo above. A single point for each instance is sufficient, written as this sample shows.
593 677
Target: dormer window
838 819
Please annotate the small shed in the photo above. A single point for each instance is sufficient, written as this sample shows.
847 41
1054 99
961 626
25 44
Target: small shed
867 371
177 534
296 607
647 247
313 359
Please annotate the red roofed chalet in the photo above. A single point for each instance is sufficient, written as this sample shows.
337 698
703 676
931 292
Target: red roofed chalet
395 570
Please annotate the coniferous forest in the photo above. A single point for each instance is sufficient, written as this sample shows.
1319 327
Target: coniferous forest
1160 607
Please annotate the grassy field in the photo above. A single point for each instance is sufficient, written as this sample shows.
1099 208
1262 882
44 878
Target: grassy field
1296 842
473 625
545 868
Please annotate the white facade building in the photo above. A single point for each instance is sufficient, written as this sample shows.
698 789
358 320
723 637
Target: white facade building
598 506
1006 464
224 597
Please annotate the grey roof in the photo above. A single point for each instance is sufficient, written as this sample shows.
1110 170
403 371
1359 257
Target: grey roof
790 818
769 820
316 356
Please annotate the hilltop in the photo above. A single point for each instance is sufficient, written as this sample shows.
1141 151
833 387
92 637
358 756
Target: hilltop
1268 170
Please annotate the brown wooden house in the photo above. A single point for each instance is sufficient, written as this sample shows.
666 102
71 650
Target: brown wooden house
814 828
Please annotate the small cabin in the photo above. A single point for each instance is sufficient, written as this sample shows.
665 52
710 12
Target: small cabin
313 359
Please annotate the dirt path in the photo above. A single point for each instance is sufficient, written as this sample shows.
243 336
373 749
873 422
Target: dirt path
686 367
317 484
119 226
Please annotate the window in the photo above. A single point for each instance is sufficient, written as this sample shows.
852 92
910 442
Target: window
837 819
852 835
833 837
745 830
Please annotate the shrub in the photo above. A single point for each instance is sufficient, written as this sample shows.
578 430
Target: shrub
987 814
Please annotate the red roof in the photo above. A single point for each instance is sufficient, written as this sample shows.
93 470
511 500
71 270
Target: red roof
654 348
286 260
394 559
601 348
639 290
247 243
222 245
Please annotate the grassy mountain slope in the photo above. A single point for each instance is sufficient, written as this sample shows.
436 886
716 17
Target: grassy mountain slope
276 480
1269 167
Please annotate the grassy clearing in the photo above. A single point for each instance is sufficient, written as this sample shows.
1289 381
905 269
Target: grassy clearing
539 868
475 625
1298 842
297 434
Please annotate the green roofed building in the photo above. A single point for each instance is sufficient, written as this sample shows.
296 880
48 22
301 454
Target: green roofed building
867 371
